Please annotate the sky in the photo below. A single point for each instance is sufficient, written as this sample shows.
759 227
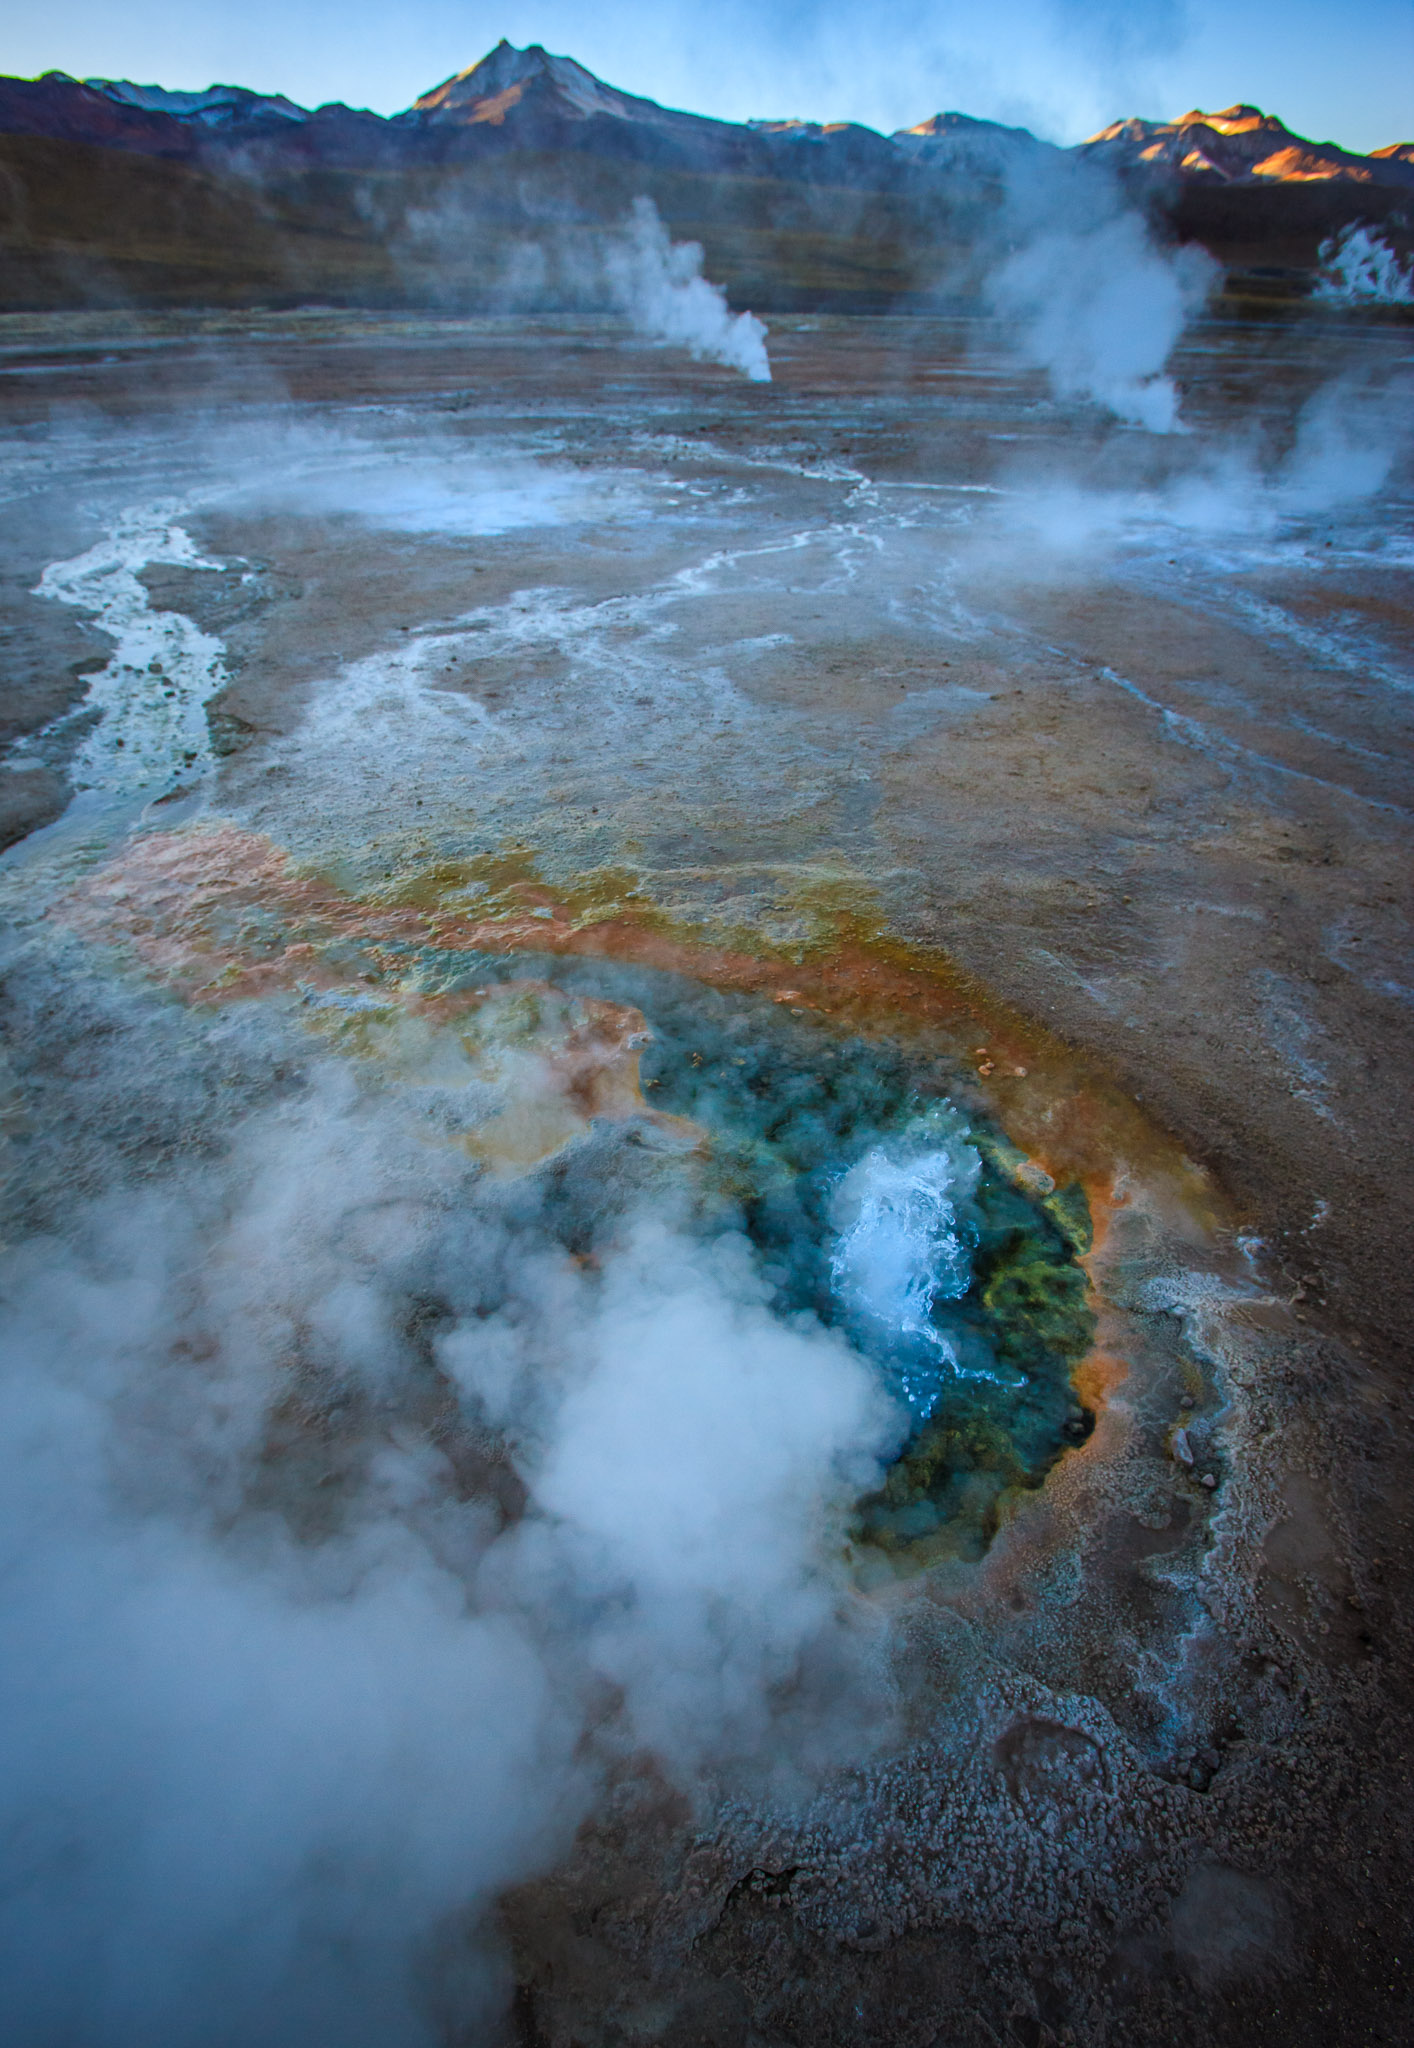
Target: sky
1335 70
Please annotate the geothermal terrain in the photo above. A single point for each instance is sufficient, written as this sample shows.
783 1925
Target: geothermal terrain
707 1049
706 1187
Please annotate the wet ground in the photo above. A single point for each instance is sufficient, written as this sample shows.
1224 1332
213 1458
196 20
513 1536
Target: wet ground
891 719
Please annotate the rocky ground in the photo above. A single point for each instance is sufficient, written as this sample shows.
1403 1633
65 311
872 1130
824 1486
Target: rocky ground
900 664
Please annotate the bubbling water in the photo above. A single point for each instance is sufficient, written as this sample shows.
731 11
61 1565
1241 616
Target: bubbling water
904 1245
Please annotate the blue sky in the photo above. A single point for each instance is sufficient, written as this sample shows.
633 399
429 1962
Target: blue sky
1340 70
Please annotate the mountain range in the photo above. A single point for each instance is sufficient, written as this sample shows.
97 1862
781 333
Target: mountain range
134 190
529 99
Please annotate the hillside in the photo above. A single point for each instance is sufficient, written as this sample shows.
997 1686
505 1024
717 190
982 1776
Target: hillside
99 227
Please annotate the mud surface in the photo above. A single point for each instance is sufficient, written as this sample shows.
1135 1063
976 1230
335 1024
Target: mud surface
1071 758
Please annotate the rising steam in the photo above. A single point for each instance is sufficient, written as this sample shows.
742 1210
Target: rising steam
1359 268
320 1635
1100 309
1091 298
659 284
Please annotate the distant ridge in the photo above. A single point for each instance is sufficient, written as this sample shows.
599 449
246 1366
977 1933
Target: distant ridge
1242 145
138 194
528 98
220 106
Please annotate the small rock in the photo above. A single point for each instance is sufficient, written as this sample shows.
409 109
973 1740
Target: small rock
1182 1449
1209 1480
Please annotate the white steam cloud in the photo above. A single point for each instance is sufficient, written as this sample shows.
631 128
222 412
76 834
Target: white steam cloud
691 1470
1100 309
659 284
1090 297
1348 439
1359 268
292 1691
633 266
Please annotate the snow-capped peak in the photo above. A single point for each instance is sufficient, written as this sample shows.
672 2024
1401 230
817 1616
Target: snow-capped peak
488 90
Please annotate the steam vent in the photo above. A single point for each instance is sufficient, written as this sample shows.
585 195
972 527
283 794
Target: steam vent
705 1072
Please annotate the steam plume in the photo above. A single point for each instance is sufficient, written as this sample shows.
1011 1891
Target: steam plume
659 284
288 1699
1100 310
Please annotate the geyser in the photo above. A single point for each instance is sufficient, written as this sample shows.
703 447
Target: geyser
876 1207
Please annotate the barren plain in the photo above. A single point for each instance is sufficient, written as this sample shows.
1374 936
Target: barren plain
369 676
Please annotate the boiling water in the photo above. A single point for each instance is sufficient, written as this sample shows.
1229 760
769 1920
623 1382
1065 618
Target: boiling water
873 1205
903 1247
